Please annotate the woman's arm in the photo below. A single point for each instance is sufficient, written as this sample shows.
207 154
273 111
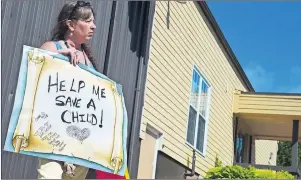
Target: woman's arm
50 46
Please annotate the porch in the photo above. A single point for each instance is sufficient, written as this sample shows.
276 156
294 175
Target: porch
266 116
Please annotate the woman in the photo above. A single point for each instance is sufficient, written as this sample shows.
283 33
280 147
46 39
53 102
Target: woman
74 29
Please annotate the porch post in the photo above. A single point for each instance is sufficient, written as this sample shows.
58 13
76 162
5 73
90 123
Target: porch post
235 137
295 144
250 149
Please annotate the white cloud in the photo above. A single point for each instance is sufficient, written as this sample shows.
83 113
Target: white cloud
295 75
265 81
296 89
261 79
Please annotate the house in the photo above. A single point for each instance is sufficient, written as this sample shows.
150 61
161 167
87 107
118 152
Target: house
197 97
183 88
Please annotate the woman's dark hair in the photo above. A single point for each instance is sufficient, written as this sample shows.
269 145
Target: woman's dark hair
79 10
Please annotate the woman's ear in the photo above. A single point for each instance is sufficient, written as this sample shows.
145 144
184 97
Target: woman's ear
70 25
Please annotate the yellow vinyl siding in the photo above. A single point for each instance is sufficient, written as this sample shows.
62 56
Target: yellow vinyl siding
174 52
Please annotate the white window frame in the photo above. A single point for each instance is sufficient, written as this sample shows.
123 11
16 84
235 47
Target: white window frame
198 113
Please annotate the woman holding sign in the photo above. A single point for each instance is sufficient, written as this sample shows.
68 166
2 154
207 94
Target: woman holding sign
75 27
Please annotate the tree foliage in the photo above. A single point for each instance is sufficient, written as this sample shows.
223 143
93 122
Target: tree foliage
284 154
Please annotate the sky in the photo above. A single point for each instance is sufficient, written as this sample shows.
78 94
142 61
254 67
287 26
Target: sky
266 39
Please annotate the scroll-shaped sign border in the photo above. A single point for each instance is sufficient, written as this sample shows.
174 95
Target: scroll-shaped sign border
19 98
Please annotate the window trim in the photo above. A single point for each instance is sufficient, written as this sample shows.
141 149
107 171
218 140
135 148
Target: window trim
194 67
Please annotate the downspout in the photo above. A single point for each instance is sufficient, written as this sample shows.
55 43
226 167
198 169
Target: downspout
109 41
134 140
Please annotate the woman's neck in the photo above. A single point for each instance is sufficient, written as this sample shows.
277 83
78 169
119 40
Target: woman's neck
73 43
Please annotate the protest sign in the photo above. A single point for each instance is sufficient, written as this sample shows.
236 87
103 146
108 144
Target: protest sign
67 113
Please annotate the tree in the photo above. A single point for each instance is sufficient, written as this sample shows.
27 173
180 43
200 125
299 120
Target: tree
284 154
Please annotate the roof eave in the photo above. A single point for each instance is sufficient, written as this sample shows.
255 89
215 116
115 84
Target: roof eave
225 44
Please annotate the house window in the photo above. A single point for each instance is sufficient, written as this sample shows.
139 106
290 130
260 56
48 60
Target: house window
198 111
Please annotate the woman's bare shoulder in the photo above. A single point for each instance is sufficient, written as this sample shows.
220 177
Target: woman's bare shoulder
49 46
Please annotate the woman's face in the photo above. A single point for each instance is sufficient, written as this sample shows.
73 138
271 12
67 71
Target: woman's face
83 30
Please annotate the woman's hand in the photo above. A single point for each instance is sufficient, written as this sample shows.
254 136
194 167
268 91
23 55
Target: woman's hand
73 53
69 169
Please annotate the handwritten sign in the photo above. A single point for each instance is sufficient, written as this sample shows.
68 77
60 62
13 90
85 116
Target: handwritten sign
67 113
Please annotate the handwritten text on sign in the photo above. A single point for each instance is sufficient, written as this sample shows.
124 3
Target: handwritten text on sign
76 86
67 113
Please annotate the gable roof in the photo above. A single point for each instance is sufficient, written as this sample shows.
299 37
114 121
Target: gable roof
224 44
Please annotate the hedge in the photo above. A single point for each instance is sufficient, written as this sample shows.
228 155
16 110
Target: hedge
238 172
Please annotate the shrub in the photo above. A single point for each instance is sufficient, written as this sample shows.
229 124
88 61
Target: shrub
231 172
238 172
284 175
265 174
218 162
269 174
